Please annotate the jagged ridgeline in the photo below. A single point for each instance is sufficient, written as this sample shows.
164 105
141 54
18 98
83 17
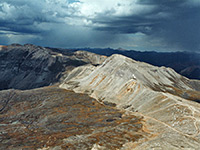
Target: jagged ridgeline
185 63
58 99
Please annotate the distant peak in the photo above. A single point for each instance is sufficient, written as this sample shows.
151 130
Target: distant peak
16 44
121 49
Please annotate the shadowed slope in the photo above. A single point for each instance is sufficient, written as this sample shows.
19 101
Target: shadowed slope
28 66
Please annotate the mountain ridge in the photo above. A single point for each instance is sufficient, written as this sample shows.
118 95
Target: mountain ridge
179 61
160 94
96 102
31 66
159 79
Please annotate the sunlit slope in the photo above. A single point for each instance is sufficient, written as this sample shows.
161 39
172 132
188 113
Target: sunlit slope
160 94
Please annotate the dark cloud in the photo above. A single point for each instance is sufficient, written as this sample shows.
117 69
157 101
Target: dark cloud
133 24
3 39
176 22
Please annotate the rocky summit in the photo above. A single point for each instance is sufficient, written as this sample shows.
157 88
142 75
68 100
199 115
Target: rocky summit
52 99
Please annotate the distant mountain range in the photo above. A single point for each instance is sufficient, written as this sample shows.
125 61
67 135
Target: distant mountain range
185 63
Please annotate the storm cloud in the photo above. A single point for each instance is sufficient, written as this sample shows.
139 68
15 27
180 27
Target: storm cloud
161 25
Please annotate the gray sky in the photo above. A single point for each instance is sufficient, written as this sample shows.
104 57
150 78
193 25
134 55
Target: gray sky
161 25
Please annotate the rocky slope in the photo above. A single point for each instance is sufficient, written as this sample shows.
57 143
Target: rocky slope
29 66
53 118
192 71
161 95
120 77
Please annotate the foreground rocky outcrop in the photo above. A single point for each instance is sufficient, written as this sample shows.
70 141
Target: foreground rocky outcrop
53 118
